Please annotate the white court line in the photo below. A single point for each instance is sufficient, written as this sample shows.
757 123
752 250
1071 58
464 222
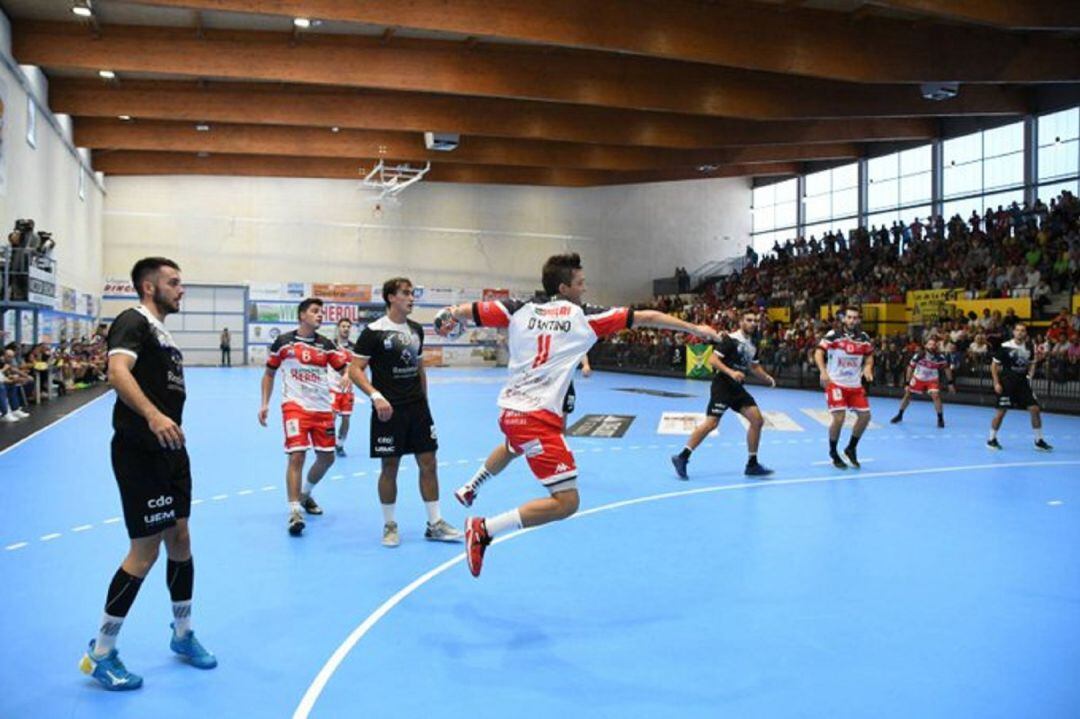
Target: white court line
338 476
16 545
829 462
50 537
218 497
307 702
245 492
82 528
359 474
114 520
69 415
268 488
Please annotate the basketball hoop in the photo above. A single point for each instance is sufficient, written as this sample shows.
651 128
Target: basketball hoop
391 181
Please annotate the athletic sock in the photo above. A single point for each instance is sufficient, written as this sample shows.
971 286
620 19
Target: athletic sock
482 475
308 487
387 513
294 506
832 445
123 589
433 514
685 453
993 433
900 414
503 522
751 460
1038 433
941 416
854 442
180 579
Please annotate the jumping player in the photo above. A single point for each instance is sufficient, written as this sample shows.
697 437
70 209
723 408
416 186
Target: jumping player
547 341
732 359
1012 368
923 377
306 405
341 388
401 421
152 470
850 356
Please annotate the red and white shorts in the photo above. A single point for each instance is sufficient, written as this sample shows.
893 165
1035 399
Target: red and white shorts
923 386
343 402
843 398
305 429
539 436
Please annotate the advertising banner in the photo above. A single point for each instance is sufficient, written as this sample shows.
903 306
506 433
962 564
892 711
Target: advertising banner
41 288
342 293
928 305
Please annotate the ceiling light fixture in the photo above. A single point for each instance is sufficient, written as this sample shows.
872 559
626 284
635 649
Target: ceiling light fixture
202 127
106 74
82 11
335 129
301 22
125 118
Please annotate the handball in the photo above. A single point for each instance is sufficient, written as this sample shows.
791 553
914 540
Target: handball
446 325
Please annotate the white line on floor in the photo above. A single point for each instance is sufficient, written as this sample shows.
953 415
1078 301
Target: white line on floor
16 545
111 520
50 537
268 488
219 497
245 492
359 474
82 528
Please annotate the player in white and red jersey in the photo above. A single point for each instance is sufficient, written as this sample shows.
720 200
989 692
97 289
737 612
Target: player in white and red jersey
341 388
844 358
306 405
924 377
547 341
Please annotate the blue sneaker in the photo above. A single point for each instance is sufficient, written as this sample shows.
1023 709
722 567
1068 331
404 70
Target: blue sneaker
680 466
109 670
757 470
190 648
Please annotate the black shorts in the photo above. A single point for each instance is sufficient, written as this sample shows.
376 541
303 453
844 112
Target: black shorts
155 486
727 394
1016 394
410 430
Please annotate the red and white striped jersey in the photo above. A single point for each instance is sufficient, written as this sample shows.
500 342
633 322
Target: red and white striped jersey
305 361
334 376
845 353
547 342
927 365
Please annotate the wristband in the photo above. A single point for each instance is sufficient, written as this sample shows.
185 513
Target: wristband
377 395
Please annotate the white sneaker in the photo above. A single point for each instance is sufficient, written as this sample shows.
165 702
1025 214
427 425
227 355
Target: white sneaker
20 414
442 531
8 418
390 536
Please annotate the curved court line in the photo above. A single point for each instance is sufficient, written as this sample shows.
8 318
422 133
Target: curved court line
307 702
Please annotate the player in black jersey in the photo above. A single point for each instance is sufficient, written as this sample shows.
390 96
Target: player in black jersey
733 358
401 422
151 467
1012 368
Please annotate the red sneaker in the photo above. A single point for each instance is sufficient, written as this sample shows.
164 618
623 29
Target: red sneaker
465 495
476 541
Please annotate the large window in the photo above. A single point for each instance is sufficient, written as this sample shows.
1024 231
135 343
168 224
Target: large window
1059 153
982 164
831 200
775 214
899 187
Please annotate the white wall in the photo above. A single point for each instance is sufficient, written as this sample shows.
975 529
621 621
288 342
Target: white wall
42 183
223 229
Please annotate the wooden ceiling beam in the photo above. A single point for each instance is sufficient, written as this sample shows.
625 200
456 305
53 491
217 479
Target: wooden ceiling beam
127 162
114 134
326 107
1011 14
507 71
815 43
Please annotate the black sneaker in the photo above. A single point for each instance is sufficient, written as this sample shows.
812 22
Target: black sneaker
836 461
941 423
993 444
680 466
309 505
1042 446
757 470
339 451
296 524
897 419
851 457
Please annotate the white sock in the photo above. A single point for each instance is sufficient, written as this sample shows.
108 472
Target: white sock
181 612
306 491
433 514
993 433
482 475
387 513
503 522
106 638
294 506
1038 433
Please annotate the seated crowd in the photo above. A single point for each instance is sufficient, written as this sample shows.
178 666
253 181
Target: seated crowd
29 373
1019 251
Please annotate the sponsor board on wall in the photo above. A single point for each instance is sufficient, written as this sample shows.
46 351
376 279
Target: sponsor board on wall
601 425
41 285
342 292
681 423
119 288
69 299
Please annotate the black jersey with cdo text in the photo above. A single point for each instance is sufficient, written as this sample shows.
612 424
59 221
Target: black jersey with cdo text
158 370
737 352
394 354
1014 358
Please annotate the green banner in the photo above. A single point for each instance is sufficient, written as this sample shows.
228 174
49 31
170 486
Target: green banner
697 360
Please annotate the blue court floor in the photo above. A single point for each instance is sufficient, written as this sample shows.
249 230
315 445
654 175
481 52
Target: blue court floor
941 580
